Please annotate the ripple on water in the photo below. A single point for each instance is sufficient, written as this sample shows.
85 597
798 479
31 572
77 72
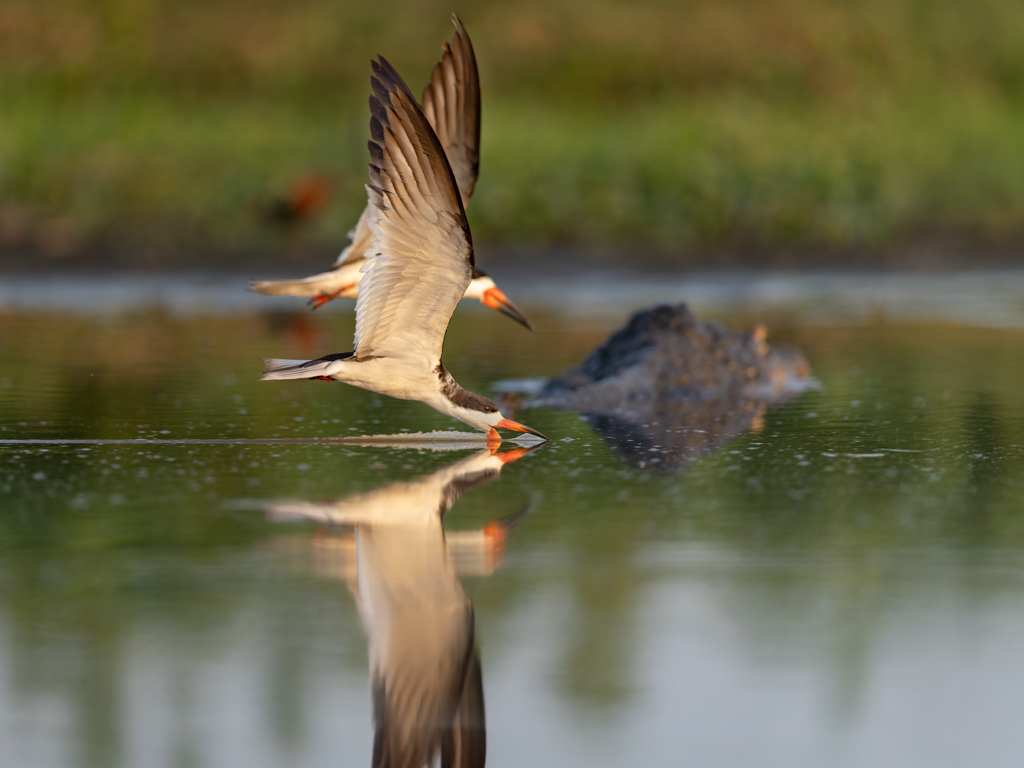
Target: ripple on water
861 546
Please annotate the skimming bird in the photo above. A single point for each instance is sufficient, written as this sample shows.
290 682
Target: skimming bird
419 263
451 103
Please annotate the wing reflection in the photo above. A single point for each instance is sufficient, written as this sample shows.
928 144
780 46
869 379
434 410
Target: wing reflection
403 571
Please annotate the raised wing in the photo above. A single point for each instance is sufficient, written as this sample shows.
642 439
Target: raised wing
420 261
451 102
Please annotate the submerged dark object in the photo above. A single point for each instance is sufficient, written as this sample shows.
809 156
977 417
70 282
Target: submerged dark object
667 388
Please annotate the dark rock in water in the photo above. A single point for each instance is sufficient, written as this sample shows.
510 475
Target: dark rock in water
667 388
665 353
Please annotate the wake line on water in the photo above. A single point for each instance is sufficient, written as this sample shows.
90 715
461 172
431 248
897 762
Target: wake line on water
415 439
177 441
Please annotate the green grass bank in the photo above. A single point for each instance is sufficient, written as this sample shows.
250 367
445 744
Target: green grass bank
161 131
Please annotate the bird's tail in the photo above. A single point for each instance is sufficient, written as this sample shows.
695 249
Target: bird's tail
294 369
323 282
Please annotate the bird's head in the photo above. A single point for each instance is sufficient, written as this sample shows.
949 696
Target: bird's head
483 414
471 408
483 289
495 421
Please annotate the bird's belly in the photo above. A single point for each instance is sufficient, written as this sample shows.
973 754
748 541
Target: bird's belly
386 376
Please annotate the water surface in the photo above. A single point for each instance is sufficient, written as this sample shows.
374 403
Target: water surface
841 583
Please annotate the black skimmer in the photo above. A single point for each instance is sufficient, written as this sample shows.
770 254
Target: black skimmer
403 570
418 266
451 103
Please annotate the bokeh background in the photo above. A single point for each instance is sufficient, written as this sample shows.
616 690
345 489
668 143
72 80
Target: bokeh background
696 132
841 585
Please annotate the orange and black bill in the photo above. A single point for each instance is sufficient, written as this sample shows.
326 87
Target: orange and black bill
515 425
496 299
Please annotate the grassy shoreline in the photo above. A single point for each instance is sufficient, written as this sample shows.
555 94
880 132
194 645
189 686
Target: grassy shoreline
667 179
155 130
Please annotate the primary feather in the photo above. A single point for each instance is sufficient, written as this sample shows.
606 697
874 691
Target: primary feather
451 104
420 260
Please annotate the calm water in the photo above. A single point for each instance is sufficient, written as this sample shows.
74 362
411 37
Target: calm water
837 583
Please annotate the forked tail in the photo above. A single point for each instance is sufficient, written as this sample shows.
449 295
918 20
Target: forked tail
324 282
301 369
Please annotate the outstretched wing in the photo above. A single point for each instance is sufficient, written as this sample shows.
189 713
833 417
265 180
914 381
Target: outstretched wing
451 102
420 261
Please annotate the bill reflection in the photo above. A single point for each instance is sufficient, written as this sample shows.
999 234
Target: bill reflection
403 570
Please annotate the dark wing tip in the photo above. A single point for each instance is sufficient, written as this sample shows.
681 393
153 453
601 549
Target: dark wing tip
379 108
460 28
375 196
375 179
380 93
376 153
389 76
462 34
376 127
385 77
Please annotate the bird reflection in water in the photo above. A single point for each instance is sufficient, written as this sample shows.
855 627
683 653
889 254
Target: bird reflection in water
403 570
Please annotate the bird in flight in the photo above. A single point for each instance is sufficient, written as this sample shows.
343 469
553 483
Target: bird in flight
451 103
419 264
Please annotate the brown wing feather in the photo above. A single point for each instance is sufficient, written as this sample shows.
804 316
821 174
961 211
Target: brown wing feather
421 258
451 102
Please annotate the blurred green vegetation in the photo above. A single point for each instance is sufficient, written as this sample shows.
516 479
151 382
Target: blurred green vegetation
163 129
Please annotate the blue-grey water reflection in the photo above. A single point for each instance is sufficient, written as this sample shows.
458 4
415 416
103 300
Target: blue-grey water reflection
836 580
